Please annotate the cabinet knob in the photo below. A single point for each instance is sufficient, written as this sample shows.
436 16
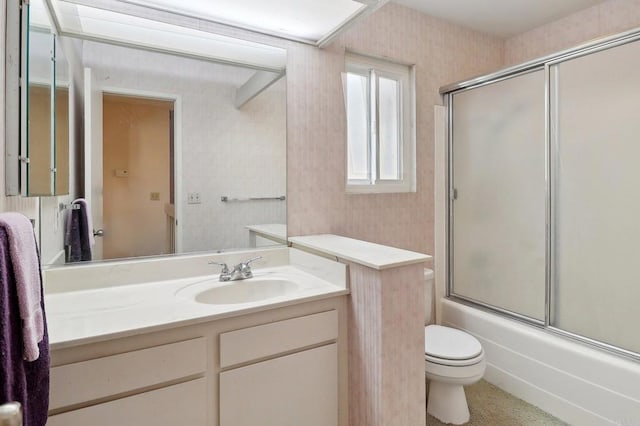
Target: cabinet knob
11 414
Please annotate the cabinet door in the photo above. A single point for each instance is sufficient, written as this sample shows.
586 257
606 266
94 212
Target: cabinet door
182 404
293 390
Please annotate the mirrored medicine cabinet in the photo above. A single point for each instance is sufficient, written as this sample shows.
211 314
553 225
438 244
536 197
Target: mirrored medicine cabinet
38 135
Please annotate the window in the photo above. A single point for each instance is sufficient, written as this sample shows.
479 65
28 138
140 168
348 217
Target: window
379 103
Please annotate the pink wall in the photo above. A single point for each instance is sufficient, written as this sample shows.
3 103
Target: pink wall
605 19
317 202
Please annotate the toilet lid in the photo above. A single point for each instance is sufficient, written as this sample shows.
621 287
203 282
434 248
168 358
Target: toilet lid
450 343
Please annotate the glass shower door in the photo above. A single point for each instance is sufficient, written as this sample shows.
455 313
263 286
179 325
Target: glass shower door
596 195
498 180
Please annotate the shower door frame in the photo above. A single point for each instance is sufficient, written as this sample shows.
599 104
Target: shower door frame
551 149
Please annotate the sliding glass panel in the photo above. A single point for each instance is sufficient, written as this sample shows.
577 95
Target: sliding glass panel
596 199
389 128
498 223
358 124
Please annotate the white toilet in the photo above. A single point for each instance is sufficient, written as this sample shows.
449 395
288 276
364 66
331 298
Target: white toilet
453 359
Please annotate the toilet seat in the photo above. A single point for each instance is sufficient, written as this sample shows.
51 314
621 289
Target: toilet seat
452 347
454 362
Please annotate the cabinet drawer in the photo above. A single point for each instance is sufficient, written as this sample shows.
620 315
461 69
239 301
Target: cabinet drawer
182 404
267 340
111 375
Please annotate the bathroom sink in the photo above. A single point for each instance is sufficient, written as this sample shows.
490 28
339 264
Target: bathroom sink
252 290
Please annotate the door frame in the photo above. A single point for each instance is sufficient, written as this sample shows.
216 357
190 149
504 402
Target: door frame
177 145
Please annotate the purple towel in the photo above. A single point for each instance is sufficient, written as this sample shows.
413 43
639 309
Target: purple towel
22 381
86 211
26 267
79 233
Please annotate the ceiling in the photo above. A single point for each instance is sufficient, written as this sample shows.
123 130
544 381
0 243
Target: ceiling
309 21
502 18
304 19
91 23
317 21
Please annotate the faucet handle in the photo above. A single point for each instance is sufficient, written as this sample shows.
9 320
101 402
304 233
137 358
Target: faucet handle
225 268
244 268
247 262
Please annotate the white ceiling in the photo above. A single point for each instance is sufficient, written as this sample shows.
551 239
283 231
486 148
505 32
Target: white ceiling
98 24
503 18
307 20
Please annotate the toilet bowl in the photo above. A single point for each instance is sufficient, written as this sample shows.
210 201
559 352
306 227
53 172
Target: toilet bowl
453 359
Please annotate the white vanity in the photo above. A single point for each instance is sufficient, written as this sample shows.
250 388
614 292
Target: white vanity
144 342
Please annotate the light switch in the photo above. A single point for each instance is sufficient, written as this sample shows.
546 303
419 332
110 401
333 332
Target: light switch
193 198
155 196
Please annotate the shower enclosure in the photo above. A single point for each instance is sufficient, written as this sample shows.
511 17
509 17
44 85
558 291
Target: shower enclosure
544 193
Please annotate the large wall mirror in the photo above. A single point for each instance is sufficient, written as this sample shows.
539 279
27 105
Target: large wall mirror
183 150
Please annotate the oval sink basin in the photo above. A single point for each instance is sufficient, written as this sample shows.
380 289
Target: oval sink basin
246 291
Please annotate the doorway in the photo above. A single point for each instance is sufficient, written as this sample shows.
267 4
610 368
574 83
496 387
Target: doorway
137 176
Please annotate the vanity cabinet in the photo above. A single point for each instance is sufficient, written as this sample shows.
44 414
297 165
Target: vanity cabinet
285 366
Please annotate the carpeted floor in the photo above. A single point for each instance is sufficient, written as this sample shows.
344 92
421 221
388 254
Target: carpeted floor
491 406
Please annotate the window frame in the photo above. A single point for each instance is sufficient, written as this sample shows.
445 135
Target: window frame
374 69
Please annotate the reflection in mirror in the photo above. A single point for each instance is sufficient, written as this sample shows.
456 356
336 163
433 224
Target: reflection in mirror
62 120
167 142
47 129
40 177
40 124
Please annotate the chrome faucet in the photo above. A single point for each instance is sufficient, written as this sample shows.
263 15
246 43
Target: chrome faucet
241 271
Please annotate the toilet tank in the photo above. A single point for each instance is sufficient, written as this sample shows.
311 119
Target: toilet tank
428 296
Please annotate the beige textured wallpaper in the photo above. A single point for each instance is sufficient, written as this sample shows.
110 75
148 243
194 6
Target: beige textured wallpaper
442 53
611 17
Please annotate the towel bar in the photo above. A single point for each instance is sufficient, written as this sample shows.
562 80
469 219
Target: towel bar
11 414
226 199
69 206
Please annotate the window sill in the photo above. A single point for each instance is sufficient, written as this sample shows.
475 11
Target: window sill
379 188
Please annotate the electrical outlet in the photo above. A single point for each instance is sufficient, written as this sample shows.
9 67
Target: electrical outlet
193 198
155 196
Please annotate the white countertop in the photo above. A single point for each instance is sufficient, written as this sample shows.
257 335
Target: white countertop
374 256
98 314
273 230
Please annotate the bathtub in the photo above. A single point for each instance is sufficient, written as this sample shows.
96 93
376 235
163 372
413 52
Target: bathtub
579 384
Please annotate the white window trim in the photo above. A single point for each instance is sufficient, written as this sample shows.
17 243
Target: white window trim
362 65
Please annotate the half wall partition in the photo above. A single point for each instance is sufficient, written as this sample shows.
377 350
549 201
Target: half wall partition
544 192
